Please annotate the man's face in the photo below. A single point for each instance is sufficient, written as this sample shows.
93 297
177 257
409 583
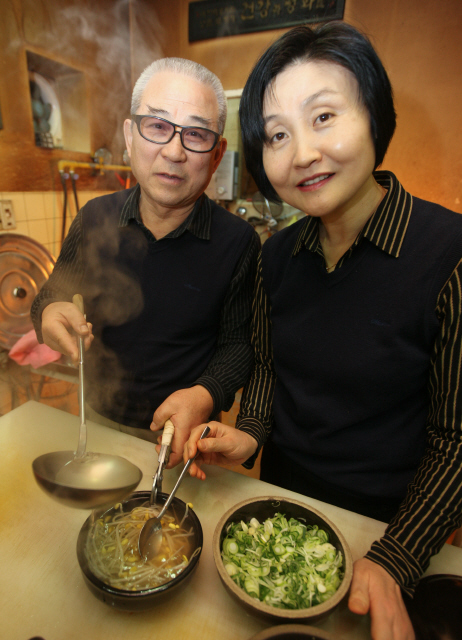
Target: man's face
172 178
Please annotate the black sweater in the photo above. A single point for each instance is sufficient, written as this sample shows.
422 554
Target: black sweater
351 400
156 306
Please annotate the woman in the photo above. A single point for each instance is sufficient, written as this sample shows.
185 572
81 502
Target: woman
355 390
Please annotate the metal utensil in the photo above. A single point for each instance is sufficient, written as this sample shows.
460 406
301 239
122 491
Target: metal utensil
78 301
85 480
150 539
167 436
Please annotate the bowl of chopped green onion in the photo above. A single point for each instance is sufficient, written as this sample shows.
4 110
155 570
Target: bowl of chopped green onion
282 559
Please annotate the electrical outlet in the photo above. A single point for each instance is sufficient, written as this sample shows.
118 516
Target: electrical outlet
7 214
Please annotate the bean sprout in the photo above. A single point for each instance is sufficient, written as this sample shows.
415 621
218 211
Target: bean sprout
112 549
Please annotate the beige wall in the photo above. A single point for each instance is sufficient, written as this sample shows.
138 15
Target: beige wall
420 43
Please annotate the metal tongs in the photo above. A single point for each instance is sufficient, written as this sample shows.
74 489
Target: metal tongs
164 454
150 540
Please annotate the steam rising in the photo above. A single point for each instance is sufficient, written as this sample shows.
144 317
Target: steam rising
118 298
111 41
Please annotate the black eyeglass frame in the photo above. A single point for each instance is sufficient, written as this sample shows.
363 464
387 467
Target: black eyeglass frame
177 128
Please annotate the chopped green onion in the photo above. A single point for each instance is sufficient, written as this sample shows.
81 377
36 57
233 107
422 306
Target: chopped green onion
283 563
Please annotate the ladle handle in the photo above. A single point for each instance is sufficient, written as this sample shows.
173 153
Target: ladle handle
78 301
204 434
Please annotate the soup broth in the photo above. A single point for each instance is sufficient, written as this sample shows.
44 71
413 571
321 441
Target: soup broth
112 548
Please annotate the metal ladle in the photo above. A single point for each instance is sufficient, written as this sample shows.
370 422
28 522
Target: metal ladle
150 540
85 480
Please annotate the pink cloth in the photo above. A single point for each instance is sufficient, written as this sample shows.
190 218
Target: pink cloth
27 350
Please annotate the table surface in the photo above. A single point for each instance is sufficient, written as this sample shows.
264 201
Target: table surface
42 592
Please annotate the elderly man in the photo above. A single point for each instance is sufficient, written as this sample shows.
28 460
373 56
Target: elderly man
166 274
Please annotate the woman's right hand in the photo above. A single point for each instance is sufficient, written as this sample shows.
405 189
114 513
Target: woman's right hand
61 322
223 446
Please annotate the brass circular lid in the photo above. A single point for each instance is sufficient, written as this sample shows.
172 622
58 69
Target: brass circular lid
25 266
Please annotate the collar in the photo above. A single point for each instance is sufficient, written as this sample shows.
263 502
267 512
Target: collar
198 222
386 228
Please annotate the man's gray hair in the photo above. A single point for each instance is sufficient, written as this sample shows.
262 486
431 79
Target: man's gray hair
186 68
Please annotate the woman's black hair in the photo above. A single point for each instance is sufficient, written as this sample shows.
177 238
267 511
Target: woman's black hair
335 42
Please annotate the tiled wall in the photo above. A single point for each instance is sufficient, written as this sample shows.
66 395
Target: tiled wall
39 214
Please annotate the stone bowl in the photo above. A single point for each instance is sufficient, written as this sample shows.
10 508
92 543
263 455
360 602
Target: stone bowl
147 598
266 507
293 632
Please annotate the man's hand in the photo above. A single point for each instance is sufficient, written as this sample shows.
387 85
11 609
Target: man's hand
223 446
374 590
62 322
186 408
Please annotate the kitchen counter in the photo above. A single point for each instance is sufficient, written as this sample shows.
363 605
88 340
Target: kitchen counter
42 592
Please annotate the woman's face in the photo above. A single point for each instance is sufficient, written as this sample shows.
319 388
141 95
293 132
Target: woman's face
320 155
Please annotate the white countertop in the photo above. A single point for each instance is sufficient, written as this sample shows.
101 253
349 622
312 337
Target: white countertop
42 591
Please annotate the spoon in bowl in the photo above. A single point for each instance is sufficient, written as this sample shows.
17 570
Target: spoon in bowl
150 540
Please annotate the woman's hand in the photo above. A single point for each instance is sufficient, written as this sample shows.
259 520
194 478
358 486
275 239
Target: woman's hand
223 446
374 590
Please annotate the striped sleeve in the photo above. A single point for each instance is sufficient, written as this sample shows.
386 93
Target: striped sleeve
256 414
66 278
231 364
432 509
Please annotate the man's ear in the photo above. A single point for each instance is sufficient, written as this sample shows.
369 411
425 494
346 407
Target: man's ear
219 153
128 135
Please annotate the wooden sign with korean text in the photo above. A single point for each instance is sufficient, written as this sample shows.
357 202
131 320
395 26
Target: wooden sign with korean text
219 18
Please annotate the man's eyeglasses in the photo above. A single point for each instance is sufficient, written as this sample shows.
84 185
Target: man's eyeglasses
161 131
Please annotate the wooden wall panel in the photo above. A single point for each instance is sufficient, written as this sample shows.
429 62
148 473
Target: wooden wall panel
91 37
420 43
111 41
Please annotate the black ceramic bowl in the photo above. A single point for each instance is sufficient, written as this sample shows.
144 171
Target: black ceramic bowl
148 598
436 609
261 509
293 632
